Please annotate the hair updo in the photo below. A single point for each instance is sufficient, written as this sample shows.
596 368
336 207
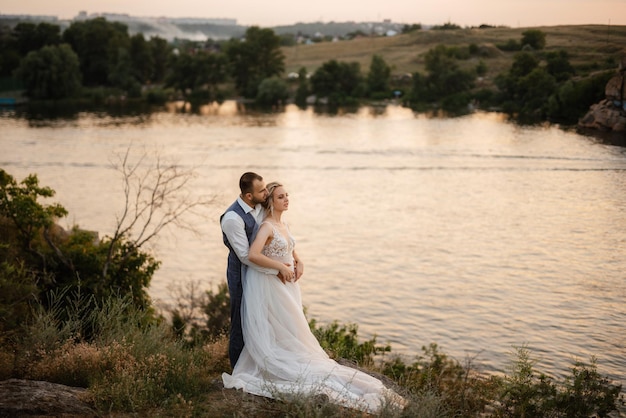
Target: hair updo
269 202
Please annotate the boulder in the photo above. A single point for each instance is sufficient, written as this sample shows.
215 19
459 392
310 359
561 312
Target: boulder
28 398
604 116
610 114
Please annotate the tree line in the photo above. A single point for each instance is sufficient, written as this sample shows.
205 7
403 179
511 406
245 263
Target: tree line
97 53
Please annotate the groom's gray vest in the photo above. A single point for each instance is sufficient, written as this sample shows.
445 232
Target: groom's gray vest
235 287
233 271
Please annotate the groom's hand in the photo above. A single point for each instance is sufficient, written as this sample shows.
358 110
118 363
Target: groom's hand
299 270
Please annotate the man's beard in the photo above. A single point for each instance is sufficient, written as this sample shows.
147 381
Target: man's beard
256 202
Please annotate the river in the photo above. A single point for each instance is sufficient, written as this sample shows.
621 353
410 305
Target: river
474 233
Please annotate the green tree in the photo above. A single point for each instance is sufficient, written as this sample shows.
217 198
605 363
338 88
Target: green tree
526 88
97 43
303 90
194 74
9 55
558 65
411 28
419 89
446 84
338 81
18 203
572 99
508 83
53 72
534 90
523 64
44 255
121 74
534 38
272 91
161 53
142 58
378 77
254 59
444 75
32 37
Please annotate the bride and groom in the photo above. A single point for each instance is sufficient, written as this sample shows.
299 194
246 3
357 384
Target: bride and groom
280 355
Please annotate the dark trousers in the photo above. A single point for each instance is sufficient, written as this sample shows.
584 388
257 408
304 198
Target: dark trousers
235 344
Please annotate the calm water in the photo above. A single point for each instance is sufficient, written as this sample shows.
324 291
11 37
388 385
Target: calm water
473 233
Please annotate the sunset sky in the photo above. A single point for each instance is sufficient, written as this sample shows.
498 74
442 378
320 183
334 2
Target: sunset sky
513 13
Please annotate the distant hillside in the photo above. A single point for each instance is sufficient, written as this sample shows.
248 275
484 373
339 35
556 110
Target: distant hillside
198 31
589 47
338 29
171 29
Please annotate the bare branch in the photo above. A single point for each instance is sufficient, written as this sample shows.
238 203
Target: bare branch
155 196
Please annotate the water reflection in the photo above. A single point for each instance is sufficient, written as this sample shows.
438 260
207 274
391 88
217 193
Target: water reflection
70 113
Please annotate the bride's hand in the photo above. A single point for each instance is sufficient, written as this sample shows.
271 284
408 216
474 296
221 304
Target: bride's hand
286 273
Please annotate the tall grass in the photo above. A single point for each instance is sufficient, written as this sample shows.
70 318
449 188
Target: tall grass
135 364
131 363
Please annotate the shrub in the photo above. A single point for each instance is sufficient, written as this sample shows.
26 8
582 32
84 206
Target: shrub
574 97
40 258
510 45
459 387
534 38
341 341
524 392
272 91
157 96
18 287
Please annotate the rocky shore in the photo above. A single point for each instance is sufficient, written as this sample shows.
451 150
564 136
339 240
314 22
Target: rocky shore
609 115
28 398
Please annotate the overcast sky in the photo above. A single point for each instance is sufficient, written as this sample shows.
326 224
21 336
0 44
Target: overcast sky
513 13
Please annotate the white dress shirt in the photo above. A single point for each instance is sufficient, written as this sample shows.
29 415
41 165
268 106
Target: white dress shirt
235 230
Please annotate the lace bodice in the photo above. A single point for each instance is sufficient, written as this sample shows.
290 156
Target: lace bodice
280 247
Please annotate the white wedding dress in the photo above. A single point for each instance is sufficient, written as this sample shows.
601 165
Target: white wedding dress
281 356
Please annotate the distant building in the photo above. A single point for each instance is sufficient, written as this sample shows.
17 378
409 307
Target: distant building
123 17
203 21
35 18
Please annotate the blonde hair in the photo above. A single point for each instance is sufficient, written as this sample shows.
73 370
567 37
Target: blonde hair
269 202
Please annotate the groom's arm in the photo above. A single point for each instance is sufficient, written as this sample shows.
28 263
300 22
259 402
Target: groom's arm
235 231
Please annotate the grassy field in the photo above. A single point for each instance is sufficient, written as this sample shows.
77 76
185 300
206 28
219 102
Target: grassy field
590 48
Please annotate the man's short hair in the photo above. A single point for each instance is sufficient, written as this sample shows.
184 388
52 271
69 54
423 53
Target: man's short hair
246 180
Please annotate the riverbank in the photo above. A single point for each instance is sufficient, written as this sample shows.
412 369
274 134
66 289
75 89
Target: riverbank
127 369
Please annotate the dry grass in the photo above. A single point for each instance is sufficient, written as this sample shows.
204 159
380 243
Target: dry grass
587 46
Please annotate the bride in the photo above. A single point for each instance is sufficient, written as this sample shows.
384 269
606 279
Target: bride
281 356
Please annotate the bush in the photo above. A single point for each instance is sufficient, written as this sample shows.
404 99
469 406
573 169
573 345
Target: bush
157 96
573 98
45 259
534 38
341 341
510 45
457 386
18 290
272 91
53 72
526 393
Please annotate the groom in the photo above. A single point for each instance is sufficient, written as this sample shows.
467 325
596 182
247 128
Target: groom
240 224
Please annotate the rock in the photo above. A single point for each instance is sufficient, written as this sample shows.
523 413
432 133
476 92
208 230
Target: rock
24 398
613 89
610 114
604 116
